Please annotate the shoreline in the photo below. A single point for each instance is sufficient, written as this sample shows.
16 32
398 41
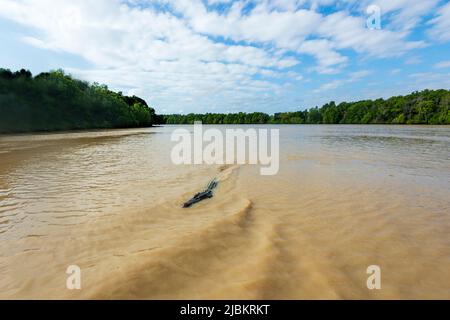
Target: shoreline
25 133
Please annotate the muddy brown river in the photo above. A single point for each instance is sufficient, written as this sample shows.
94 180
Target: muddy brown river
345 198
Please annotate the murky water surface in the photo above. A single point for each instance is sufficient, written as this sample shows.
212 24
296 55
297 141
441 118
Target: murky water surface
346 197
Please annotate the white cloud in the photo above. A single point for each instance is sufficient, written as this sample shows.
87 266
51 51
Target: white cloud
430 80
354 76
330 85
402 15
441 24
349 32
329 61
351 78
414 60
442 64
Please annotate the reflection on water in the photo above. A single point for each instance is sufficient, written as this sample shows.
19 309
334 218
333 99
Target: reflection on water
346 197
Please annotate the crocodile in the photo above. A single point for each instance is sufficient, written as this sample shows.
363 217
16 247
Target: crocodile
207 194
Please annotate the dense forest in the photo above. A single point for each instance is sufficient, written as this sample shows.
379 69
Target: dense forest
55 101
425 107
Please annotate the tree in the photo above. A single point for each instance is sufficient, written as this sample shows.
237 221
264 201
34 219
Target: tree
55 101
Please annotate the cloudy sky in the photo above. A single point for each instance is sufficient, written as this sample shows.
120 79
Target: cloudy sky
233 55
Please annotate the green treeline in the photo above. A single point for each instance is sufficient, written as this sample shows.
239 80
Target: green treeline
425 107
55 101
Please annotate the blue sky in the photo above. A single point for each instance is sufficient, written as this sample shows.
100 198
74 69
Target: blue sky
226 56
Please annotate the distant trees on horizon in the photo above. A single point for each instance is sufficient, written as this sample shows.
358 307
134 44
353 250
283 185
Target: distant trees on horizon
424 107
